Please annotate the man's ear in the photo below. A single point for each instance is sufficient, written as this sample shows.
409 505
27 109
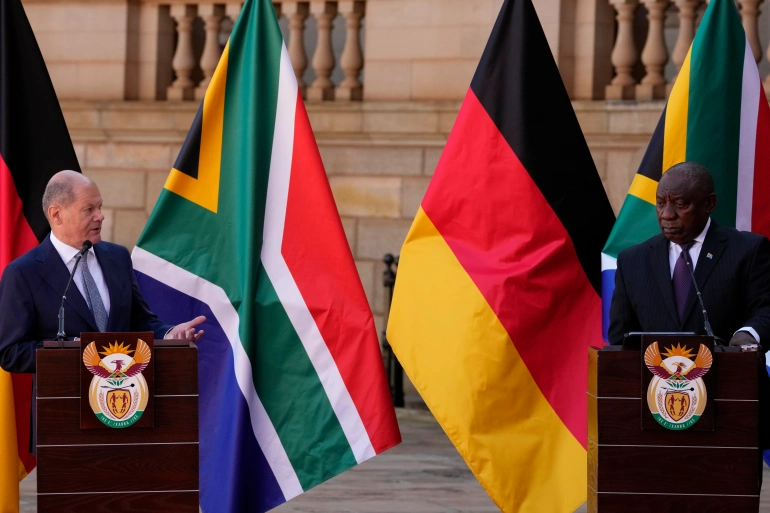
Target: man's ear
54 215
711 203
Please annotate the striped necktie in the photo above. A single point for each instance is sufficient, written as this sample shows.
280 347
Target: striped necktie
95 302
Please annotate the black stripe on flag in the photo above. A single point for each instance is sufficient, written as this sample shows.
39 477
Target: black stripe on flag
519 85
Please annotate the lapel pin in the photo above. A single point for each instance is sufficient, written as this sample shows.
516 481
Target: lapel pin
709 256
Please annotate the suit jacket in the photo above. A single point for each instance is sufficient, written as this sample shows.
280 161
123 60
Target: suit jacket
734 284
732 272
31 289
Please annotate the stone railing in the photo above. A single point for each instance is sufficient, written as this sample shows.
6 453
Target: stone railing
200 31
667 33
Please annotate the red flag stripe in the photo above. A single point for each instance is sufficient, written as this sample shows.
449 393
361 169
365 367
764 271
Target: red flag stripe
760 217
16 238
313 233
521 258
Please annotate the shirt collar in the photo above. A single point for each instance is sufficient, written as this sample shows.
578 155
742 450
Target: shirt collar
701 236
66 252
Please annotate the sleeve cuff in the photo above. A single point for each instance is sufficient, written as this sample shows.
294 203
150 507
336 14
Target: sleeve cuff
751 331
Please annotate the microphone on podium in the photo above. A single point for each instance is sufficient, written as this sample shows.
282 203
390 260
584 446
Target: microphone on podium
706 323
61 336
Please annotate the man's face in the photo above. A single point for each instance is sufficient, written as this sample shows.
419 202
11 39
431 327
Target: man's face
81 220
683 208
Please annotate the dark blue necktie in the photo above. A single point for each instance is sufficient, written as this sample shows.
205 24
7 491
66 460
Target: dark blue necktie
682 281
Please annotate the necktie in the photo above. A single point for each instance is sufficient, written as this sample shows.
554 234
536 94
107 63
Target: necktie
93 296
682 281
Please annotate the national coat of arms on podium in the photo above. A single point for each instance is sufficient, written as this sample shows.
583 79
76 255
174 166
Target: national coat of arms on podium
677 395
118 393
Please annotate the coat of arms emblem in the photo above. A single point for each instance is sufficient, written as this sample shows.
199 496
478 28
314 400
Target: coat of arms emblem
677 395
118 393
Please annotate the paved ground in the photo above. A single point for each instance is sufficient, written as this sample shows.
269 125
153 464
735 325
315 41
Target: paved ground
422 475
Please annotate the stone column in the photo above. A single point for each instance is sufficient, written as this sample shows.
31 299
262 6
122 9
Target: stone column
654 54
232 10
687 11
297 13
183 63
323 59
749 14
624 55
352 60
593 41
212 14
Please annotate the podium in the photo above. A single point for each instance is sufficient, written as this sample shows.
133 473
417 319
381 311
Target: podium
656 469
117 470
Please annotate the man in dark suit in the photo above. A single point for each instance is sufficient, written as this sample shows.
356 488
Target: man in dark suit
104 295
653 286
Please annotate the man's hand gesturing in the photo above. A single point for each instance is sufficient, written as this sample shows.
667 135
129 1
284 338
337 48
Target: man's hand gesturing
186 330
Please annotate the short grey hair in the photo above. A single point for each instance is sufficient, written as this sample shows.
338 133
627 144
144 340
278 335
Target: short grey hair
62 189
697 174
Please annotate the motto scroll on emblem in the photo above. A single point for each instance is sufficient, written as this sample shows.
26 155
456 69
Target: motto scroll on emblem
118 393
677 395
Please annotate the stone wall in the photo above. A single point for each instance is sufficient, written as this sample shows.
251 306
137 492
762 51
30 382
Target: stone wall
379 158
413 49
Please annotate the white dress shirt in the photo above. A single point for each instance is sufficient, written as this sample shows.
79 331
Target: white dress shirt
68 254
674 250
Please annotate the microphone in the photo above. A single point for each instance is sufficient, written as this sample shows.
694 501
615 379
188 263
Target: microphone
706 323
61 336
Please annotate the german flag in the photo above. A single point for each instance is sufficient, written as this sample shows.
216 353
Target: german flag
497 295
34 144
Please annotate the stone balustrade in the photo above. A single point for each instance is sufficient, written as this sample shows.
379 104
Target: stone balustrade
200 30
667 29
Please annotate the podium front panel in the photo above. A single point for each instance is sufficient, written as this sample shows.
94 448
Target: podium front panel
117 470
653 470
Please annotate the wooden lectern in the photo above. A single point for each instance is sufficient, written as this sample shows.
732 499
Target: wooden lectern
656 469
117 470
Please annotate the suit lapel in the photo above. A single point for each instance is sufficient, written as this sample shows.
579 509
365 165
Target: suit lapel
714 245
55 273
109 271
662 270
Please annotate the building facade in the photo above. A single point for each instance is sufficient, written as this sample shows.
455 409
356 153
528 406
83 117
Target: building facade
383 81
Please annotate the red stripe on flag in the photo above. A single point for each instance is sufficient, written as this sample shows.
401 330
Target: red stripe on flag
16 238
760 214
510 241
317 253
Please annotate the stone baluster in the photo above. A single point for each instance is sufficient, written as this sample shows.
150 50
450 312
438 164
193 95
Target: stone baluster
749 14
624 55
183 63
232 10
212 15
352 60
687 12
654 54
323 59
297 13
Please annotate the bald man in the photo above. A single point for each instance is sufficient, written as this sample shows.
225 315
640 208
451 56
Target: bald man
104 297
